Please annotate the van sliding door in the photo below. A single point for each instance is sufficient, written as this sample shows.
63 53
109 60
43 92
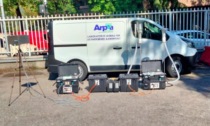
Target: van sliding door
107 45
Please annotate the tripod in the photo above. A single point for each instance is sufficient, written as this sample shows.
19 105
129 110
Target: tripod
28 84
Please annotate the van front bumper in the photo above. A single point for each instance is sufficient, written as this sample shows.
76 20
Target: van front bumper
192 60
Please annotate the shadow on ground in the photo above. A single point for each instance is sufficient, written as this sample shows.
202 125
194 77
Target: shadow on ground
198 80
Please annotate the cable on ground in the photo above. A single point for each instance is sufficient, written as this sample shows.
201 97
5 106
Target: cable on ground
84 98
135 93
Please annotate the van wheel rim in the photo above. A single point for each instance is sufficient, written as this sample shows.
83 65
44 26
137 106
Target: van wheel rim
178 65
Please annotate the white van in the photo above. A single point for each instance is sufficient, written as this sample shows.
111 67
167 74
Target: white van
108 45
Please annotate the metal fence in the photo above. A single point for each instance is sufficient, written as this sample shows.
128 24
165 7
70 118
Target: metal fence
36 27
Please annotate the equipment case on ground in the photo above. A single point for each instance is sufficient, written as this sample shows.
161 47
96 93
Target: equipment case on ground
68 70
128 82
67 84
110 85
152 75
100 80
116 87
113 86
67 81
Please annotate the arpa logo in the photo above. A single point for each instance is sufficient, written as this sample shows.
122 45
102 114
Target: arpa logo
106 27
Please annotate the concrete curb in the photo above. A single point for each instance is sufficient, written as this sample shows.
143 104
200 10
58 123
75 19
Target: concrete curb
32 62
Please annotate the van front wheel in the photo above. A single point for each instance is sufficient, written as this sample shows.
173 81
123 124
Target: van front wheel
82 70
170 67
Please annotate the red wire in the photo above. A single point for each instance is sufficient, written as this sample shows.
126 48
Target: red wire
86 97
134 92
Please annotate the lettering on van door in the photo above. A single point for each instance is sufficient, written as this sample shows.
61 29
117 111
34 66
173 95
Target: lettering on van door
103 28
105 31
103 37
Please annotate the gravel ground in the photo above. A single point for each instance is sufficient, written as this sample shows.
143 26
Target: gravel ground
185 103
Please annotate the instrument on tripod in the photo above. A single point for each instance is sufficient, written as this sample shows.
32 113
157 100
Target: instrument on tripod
18 40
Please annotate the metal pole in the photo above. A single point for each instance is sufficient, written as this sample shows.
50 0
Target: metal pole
20 66
205 24
4 24
45 7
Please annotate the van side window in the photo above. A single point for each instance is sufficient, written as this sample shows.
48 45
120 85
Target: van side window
151 31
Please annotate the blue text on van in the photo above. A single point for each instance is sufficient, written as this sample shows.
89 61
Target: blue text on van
106 27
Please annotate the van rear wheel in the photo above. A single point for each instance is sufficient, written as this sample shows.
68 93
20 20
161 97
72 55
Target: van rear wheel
82 70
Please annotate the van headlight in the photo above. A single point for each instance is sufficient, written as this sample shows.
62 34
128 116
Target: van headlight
188 42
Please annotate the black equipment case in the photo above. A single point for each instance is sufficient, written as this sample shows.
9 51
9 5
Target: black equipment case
68 70
67 81
152 75
113 86
110 85
100 80
116 87
67 84
128 82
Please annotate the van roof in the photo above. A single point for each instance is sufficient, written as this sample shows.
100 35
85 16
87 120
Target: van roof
110 19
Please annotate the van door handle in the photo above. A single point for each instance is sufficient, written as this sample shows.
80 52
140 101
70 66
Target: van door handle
135 47
117 47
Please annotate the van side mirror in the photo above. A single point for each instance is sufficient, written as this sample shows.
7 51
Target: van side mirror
163 35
